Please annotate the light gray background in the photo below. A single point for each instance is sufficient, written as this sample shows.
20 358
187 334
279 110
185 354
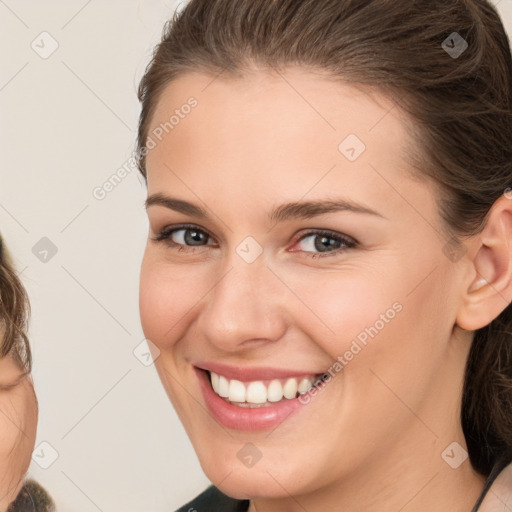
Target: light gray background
68 123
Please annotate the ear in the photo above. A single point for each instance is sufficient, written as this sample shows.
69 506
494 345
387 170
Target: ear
490 291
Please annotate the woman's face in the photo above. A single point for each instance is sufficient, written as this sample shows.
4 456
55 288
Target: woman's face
307 248
18 423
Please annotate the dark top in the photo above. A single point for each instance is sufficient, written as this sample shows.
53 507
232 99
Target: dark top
212 500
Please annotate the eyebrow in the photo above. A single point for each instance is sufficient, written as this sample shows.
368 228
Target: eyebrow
287 211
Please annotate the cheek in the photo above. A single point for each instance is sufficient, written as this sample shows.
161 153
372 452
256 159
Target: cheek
373 321
18 424
344 311
395 344
167 294
9 433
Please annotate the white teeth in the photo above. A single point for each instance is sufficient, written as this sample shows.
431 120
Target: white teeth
236 391
275 391
223 390
215 382
304 385
257 392
290 388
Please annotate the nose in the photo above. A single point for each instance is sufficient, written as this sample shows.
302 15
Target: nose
245 308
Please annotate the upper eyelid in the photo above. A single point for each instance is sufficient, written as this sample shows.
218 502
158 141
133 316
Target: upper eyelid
328 232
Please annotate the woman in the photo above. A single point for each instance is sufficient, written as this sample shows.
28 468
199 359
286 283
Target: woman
328 273
18 403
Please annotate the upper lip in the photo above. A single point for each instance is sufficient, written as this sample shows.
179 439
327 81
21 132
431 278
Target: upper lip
252 373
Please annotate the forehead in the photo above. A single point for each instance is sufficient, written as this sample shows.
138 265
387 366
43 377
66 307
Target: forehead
286 133
274 107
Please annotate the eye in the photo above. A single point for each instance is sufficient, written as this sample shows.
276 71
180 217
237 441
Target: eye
325 243
184 237
7 387
11 385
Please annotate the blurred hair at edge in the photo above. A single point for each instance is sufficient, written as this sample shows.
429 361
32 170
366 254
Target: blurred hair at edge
14 313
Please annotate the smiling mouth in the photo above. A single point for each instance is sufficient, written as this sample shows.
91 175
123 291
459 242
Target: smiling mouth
261 393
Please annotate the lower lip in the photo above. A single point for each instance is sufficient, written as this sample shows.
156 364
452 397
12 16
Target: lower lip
244 418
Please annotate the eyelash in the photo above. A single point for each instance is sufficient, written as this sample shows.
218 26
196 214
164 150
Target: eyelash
349 243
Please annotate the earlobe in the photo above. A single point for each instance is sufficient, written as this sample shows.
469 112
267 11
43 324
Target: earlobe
490 291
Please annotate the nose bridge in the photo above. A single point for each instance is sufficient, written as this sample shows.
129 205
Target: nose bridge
243 305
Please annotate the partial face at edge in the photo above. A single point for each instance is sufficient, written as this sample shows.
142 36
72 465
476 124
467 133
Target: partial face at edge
245 148
18 423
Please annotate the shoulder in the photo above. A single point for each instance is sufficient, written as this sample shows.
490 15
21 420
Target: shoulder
498 496
214 501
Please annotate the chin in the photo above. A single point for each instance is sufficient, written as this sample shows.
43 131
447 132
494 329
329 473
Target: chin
248 486
268 478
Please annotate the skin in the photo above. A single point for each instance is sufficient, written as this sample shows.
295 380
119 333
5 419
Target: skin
18 423
373 437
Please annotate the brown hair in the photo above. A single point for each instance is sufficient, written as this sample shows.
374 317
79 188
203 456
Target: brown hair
14 313
460 107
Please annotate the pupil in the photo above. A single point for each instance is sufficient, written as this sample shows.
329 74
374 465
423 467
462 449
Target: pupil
324 242
194 237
